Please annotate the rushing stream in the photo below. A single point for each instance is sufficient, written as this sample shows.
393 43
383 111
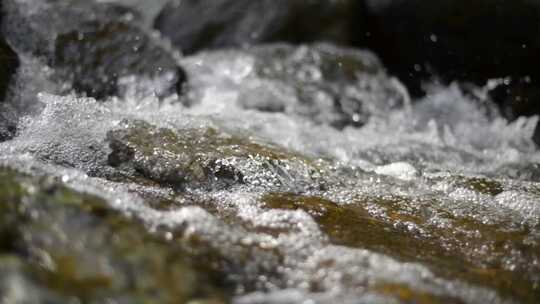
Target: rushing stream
284 174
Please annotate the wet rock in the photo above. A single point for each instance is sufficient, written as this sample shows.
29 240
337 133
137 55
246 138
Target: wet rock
463 41
104 47
93 46
7 130
421 231
526 171
536 135
480 185
9 62
518 97
406 294
62 244
8 125
14 277
204 158
322 83
194 25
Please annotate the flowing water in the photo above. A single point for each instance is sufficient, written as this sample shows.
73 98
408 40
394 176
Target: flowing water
254 187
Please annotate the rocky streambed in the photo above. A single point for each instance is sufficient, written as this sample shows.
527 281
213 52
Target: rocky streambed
267 164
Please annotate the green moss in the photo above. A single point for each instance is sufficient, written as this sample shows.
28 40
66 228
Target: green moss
479 184
451 252
75 245
351 225
201 157
474 251
406 294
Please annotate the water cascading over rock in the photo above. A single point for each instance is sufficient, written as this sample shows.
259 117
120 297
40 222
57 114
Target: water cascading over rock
92 46
325 84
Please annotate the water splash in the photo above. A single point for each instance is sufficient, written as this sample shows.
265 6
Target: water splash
438 174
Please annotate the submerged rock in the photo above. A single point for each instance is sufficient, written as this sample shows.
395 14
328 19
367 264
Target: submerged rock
204 157
322 83
92 46
193 25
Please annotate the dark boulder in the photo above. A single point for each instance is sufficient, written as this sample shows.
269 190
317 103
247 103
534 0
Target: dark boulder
9 62
92 45
109 51
466 41
8 121
194 25
517 97
456 40
7 127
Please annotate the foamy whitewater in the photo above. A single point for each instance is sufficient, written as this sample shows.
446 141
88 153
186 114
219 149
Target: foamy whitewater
425 169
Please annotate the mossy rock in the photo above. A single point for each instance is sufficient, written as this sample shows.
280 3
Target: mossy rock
406 294
204 158
73 245
479 184
452 252
351 225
